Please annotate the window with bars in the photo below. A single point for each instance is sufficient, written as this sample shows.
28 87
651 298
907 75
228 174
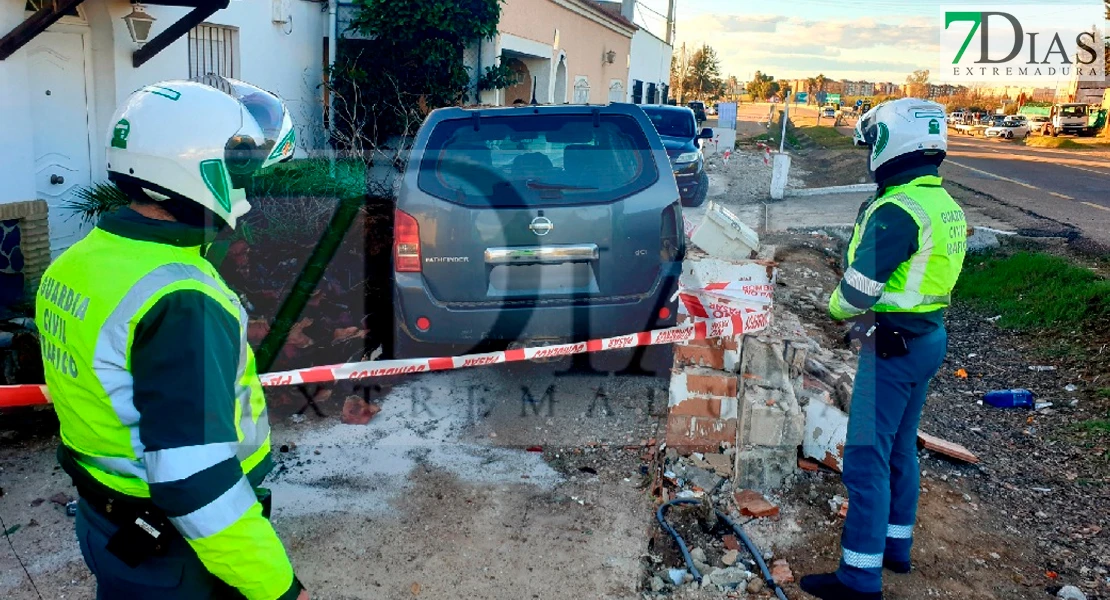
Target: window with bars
651 93
637 91
214 50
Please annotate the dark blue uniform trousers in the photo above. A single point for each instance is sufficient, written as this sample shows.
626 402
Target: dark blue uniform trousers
176 575
880 458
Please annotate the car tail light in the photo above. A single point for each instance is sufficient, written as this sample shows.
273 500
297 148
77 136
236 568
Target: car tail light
672 238
664 313
406 243
423 324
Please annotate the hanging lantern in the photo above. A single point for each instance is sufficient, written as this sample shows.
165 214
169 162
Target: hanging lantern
138 24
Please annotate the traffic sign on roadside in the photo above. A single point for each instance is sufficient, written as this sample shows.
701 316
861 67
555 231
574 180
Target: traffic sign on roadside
801 97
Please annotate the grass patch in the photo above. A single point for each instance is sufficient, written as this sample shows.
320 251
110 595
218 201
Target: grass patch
1034 290
1095 426
827 137
1103 392
1063 143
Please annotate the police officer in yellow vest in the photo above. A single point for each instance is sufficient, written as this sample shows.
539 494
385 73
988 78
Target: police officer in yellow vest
163 422
903 260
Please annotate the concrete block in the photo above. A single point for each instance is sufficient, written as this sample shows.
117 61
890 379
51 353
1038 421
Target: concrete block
765 469
780 173
763 363
770 418
722 234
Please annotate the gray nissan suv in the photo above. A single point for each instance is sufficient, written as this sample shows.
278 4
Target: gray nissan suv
534 225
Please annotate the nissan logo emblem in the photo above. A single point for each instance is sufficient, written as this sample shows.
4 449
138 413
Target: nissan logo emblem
541 226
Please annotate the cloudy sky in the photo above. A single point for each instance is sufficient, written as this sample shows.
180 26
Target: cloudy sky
876 40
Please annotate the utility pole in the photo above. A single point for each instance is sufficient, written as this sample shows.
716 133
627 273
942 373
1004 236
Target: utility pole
670 23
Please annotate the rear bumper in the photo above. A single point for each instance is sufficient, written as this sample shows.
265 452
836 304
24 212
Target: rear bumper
453 324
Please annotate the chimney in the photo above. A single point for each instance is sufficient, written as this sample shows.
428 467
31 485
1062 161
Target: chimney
628 10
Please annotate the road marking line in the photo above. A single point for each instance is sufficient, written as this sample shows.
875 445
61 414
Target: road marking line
1021 183
1059 195
1093 205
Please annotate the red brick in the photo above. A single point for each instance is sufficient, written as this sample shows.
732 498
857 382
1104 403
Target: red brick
712 384
698 406
950 449
357 411
688 434
807 464
724 343
696 356
731 543
753 504
781 573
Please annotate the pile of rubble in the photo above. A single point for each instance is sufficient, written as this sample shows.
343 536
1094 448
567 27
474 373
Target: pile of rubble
745 415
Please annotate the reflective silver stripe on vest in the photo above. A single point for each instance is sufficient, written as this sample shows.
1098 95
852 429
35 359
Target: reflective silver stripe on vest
123 467
862 283
110 356
908 300
218 514
255 428
175 464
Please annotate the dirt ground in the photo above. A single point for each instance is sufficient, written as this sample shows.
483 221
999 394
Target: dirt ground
474 486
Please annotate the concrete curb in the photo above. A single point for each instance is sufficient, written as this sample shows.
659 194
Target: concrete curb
837 189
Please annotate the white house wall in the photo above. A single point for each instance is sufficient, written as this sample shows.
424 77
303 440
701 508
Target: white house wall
17 165
289 64
650 63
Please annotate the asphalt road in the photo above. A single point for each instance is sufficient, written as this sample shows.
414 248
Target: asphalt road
1068 186
1072 187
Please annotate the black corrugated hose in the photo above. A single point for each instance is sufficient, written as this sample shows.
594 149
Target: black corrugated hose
660 515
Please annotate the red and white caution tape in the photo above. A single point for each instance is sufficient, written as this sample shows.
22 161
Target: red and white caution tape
19 396
689 227
738 322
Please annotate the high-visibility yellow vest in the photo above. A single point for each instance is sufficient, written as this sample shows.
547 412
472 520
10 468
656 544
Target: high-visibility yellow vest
89 303
924 283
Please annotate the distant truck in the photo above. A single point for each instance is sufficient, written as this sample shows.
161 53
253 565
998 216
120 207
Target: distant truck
1067 118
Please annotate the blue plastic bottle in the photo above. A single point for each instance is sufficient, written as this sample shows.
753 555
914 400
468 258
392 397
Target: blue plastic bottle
1010 398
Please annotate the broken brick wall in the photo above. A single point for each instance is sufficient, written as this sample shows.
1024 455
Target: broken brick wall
738 392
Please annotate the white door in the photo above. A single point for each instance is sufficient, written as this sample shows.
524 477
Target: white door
60 112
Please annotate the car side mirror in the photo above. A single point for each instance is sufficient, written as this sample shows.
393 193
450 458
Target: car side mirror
706 134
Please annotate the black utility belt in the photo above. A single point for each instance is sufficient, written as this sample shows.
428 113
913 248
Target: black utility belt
144 530
885 341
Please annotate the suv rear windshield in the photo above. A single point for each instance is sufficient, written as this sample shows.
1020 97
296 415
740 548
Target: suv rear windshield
531 160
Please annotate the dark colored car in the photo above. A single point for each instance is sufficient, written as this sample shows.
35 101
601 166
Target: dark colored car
699 110
682 140
532 226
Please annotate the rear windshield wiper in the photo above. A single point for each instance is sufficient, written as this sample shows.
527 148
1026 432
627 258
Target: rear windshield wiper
539 185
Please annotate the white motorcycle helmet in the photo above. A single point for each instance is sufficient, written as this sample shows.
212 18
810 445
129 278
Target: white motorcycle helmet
900 127
199 141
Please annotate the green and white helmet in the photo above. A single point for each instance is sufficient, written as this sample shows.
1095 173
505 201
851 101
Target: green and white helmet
199 140
899 127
